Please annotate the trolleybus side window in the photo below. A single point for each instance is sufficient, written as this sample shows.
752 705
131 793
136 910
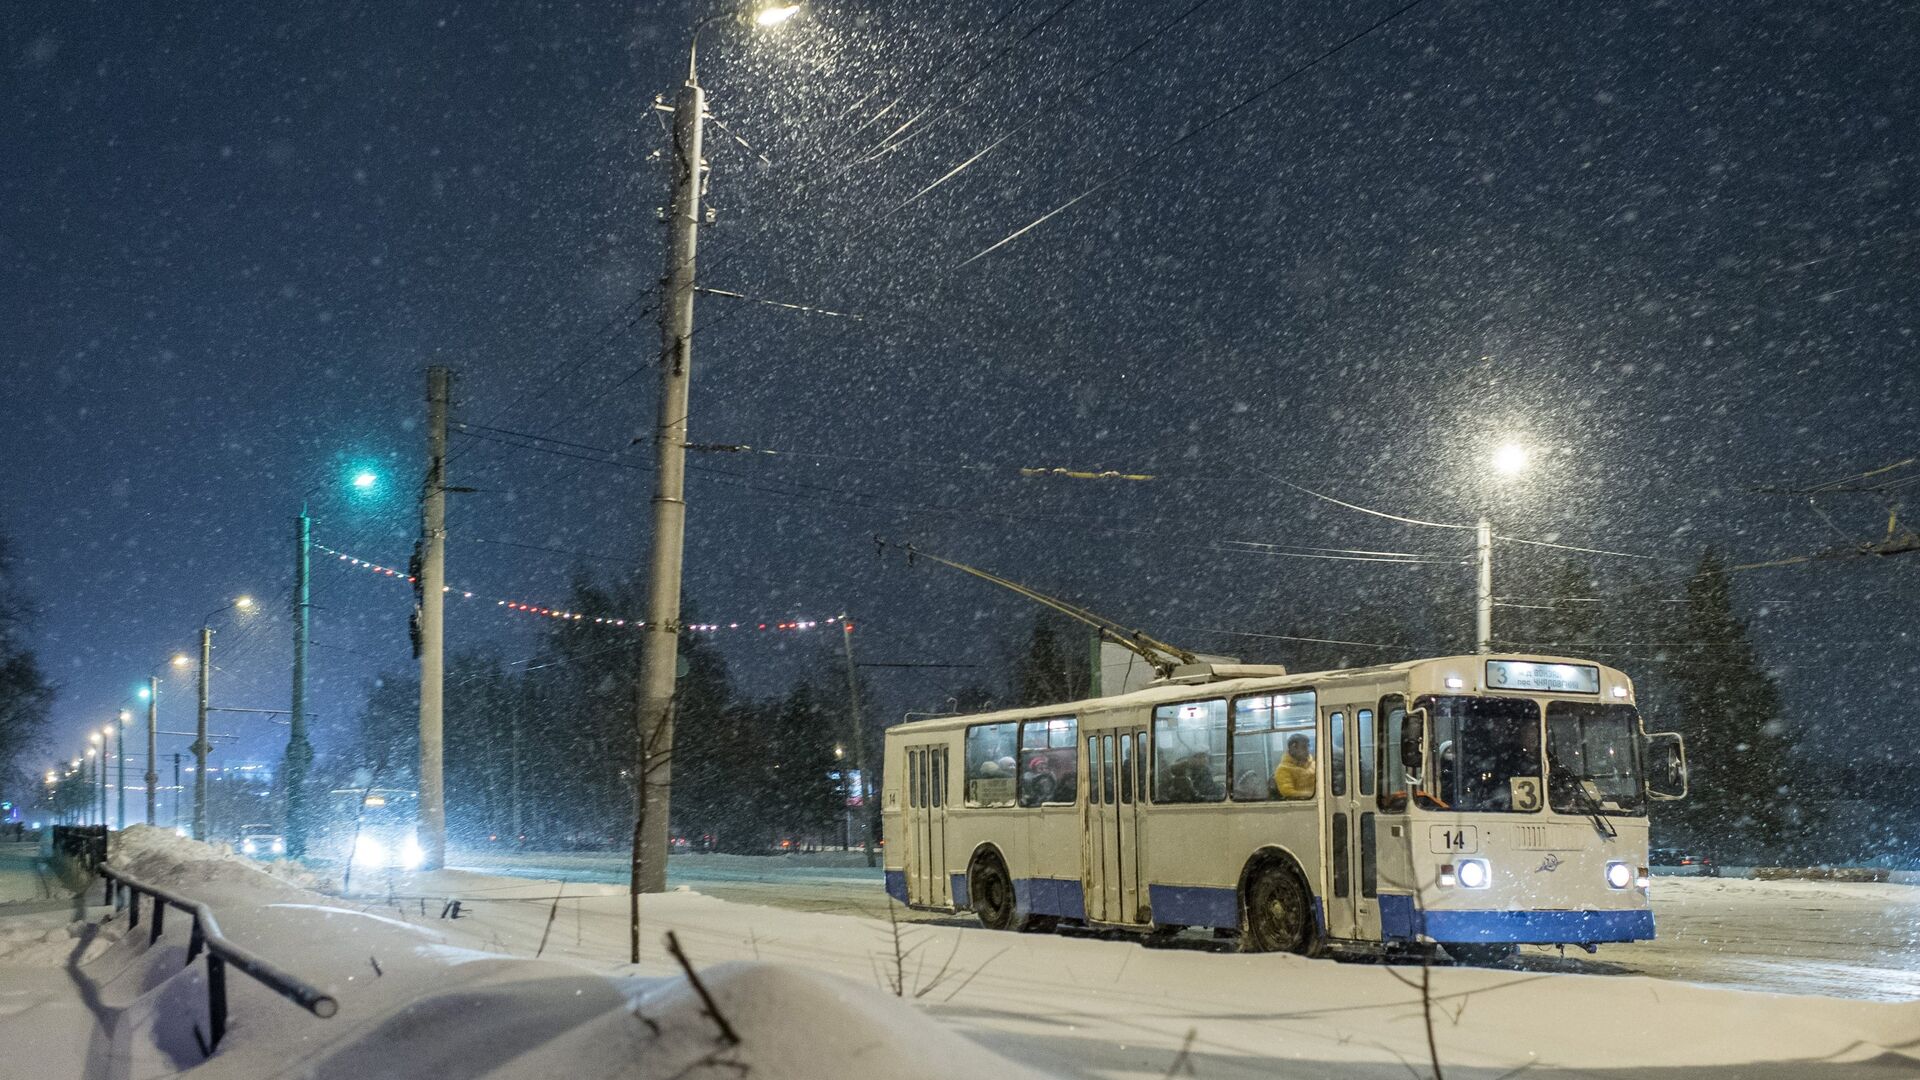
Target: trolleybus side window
991 768
1273 746
1396 773
1049 769
1363 749
1337 754
1190 752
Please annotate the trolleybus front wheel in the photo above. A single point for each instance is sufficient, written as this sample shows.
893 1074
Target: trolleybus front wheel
1278 914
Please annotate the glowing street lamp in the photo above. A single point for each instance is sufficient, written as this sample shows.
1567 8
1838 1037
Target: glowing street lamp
775 14
365 480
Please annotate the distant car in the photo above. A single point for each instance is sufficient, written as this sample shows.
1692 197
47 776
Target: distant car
262 841
1681 861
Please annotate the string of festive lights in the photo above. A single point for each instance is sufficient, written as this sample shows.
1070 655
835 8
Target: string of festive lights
773 625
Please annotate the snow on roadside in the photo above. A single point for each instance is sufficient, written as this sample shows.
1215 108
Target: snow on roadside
416 1001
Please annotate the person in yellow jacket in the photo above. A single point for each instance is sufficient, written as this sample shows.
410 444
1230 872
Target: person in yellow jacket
1293 778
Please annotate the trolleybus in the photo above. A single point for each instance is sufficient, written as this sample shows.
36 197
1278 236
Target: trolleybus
1470 802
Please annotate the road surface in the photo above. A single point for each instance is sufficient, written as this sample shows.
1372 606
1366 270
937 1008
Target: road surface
1796 937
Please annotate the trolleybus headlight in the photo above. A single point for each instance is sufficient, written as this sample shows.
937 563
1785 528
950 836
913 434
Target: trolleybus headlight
1473 873
1619 875
410 855
368 852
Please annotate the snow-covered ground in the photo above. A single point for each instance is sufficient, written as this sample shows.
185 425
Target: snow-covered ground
1843 940
816 995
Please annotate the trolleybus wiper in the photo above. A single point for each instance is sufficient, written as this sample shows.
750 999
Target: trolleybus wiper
1158 654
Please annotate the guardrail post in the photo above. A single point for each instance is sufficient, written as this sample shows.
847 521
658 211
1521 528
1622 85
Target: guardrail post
159 918
107 896
197 939
133 908
216 998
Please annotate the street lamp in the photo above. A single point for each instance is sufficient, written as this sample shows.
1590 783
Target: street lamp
659 657
1510 459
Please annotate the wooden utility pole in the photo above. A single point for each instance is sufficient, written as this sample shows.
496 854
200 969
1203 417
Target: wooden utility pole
431 581
859 737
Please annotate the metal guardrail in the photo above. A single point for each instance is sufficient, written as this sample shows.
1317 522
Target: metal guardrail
86 844
124 891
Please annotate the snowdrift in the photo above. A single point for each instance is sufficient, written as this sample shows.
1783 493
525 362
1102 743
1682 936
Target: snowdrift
416 1004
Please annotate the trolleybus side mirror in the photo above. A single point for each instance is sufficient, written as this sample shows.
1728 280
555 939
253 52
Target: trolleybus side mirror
1666 766
1413 740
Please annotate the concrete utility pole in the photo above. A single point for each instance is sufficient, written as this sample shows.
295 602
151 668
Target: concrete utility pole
1483 591
200 745
176 791
299 750
433 580
660 645
859 736
153 749
120 748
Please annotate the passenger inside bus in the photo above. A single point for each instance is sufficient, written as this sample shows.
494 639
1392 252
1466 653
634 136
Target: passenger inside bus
1294 777
1191 780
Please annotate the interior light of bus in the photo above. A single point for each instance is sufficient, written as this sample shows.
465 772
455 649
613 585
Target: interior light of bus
1473 873
1455 682
1619 875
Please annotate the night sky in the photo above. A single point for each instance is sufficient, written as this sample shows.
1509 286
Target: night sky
1668 246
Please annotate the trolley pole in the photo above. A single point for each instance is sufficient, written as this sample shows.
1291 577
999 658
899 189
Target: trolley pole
299 750
433 579
1483 591
153 749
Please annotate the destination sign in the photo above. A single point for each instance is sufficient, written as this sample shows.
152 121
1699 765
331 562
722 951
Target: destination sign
1554 678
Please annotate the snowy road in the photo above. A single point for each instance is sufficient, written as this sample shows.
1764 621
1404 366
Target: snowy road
1838 940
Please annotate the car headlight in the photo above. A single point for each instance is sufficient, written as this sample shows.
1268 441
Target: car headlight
249 846
411 854
279 847
368 852
1473 873
1619 875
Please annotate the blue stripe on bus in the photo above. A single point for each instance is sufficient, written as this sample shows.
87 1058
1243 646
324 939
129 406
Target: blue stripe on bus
1396 917
1399 921
897 885
1194 905
1061 897
960 892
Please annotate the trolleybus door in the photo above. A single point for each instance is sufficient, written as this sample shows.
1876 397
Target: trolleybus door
927 881
1350 884
1116 788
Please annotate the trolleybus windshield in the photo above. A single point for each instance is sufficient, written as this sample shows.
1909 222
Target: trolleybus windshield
1486 753
1593 751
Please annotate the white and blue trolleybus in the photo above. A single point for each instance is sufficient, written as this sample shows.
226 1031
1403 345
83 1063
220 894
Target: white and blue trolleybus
1471 802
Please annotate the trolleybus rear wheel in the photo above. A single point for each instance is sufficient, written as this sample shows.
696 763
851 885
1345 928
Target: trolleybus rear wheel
1278 913
991 890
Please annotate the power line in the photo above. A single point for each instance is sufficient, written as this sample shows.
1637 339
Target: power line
1201 128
